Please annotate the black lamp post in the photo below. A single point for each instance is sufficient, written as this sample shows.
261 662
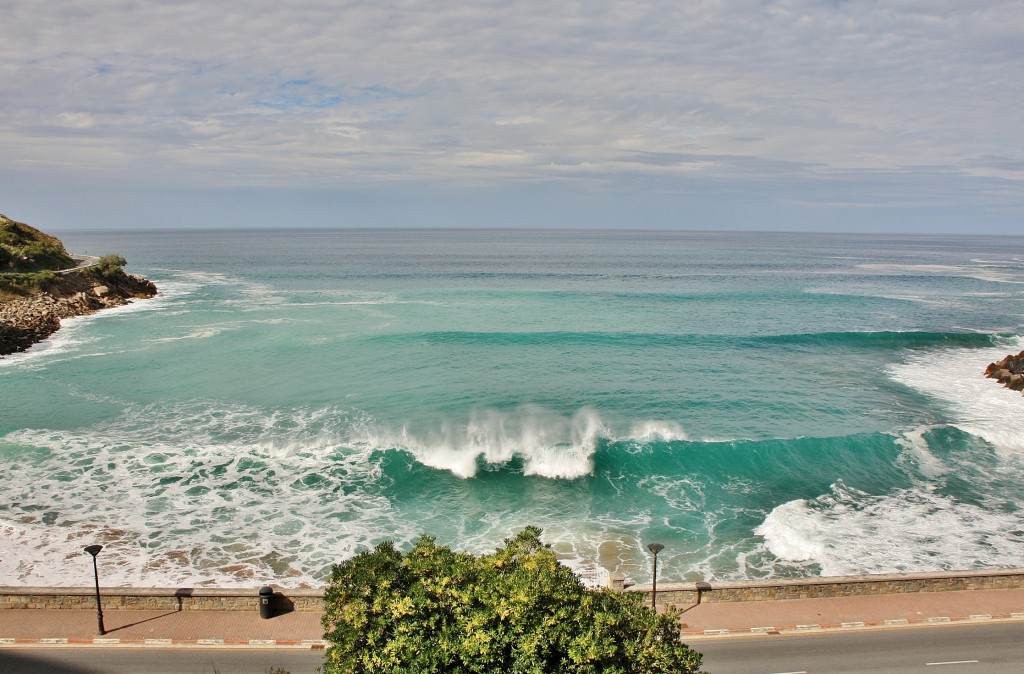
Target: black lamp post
655 548
95 550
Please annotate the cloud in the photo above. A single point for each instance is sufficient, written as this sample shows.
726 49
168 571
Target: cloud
593 95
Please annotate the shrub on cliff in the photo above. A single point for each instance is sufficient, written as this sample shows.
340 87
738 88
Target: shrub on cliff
515 610
108 266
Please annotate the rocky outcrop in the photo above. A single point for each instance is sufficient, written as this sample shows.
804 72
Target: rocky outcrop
1009 371
26 321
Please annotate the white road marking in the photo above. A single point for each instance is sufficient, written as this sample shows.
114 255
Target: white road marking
951 662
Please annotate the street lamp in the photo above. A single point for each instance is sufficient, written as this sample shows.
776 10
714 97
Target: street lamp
95 550
655 548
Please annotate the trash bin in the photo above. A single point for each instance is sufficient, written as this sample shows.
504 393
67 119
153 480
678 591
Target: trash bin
266 596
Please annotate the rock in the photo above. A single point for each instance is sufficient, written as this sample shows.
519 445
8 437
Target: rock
26 321
1009 371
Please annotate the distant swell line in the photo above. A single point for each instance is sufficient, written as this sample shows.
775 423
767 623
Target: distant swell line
886 339
861 340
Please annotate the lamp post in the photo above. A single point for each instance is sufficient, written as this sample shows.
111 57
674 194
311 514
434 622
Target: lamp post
95 550
655 548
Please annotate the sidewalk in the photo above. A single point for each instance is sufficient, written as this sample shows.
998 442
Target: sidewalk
301 629
848 613
56 627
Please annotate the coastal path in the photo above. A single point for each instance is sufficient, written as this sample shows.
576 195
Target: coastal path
82 262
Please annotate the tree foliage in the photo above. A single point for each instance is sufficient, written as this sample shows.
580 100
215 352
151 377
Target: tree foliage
517 610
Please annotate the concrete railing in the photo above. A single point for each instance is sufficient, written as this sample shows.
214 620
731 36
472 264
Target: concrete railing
688 594
162 599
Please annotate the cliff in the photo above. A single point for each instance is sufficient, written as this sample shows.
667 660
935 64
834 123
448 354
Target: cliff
37 288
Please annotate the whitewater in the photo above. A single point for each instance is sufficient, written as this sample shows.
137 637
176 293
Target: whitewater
764 405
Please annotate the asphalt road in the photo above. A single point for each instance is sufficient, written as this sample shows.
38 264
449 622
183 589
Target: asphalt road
156 661
971 649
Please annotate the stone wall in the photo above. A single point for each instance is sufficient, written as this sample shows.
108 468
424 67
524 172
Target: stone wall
160 599
688 594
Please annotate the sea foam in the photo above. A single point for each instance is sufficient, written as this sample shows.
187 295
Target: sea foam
848 532
980 406
550 445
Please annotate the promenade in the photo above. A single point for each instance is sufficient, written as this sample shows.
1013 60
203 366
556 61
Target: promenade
301 629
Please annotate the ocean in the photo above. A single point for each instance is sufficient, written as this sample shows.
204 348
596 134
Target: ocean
762 404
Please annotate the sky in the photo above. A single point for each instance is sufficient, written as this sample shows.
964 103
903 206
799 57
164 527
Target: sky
824 115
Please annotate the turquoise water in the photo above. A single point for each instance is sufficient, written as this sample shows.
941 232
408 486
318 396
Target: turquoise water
761 404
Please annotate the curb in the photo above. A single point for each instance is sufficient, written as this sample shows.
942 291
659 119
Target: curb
300 644
817 628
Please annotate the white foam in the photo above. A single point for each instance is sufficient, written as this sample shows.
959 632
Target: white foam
918 451
70 335
794 534
1001 271
194 493
549 444
66 339
979 405
73 334
848 532
651 430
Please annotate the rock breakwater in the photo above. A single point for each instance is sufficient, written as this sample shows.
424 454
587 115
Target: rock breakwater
1009 371
29 320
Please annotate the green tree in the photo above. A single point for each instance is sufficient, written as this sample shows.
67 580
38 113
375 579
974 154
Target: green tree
517 610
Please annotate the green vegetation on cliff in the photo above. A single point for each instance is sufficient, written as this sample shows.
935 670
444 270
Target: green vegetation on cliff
26 249
28 260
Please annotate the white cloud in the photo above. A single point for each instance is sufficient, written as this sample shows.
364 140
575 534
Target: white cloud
790 93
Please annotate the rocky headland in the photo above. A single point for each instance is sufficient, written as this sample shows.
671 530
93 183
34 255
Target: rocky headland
35 296
1009 371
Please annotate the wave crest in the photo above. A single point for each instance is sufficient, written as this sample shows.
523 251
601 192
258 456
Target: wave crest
549 444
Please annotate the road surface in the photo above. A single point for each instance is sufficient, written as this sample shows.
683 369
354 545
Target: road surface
994 648
970 649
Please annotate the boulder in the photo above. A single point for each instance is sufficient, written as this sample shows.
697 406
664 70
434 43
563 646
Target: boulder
1009 371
